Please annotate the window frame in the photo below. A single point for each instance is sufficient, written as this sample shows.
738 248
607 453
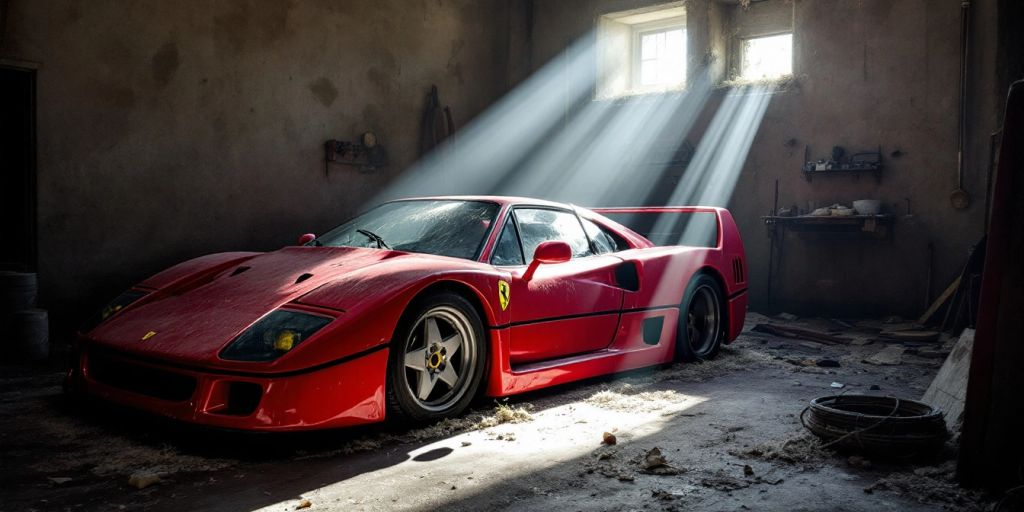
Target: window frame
636 51
510 216
738 55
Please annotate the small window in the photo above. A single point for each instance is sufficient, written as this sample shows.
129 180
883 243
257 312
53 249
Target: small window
507 252
661 56
537 226
642 50
604 242
766 58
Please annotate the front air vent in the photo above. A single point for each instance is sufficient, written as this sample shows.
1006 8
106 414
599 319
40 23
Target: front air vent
737 271
303 277
239 270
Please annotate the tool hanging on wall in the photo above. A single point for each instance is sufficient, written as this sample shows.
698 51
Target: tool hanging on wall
959 197
367 154
437 123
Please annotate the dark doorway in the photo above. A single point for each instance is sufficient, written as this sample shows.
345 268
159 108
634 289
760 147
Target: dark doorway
17 169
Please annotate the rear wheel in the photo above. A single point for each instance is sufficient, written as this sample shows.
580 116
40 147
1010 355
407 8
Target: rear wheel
438 358
701 321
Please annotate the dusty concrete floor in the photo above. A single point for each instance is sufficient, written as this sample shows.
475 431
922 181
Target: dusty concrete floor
541 451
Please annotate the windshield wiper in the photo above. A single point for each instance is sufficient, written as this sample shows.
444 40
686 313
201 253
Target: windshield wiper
375 237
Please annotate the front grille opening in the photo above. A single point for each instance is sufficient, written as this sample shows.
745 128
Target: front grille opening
243 397
143 380
234 398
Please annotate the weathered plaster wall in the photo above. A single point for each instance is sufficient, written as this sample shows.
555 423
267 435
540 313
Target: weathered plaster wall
167 130
868 73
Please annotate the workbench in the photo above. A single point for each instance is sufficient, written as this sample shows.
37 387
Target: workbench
875 226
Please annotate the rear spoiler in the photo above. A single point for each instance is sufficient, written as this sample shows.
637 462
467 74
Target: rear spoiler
693 226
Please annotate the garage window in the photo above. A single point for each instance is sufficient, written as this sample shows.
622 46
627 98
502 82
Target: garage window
642 51
766 58
758 39
660 58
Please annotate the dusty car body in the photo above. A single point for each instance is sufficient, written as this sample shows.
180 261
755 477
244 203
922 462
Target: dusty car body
347 329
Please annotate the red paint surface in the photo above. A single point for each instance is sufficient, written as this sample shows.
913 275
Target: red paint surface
569 321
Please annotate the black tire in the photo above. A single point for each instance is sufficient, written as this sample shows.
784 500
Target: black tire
452 316
701 320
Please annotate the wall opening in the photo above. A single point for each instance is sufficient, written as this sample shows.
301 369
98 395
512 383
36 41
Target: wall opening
759 38
642 51
17 169
766 58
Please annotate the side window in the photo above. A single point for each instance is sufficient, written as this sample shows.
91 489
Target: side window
507 250
604 242
537 226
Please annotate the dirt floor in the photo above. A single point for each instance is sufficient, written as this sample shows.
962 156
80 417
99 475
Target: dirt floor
722 435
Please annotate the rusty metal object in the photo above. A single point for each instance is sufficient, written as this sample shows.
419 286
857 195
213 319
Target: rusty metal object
877 424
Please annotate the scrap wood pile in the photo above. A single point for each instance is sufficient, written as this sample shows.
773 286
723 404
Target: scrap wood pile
898 336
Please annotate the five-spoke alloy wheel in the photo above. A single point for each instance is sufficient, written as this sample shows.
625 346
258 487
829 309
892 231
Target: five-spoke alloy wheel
701 320
438 358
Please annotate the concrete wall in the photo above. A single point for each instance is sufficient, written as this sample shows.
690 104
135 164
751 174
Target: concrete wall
167 130
868 73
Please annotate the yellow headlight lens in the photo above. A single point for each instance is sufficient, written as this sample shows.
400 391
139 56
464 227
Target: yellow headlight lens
285 340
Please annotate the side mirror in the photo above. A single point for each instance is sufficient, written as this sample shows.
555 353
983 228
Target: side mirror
307 238
548 253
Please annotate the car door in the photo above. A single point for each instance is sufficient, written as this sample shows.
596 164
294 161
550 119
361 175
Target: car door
566 308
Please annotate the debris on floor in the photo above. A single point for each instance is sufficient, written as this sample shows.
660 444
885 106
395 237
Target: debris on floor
798 450
655 463
505 413
143 479
891 355
929 484
799 333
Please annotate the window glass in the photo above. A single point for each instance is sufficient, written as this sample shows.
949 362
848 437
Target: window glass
537 226
507 250
663 58
446 228
767 57
603 241
694 229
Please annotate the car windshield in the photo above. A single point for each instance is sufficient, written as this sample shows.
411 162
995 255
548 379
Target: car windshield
442 227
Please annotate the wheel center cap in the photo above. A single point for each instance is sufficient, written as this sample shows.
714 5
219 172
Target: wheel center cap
435 360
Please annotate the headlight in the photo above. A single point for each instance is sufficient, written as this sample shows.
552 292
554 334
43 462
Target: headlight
273 335
114 307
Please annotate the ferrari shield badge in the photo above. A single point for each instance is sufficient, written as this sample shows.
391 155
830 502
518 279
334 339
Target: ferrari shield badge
503 294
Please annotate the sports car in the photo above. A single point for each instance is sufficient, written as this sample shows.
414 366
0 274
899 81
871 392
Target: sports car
415 308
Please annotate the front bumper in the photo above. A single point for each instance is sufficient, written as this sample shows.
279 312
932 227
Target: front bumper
350 392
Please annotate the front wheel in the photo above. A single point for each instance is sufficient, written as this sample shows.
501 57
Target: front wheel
438 358
701 322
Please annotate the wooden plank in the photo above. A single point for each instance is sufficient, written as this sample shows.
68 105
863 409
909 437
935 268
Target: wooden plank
939 301
797 333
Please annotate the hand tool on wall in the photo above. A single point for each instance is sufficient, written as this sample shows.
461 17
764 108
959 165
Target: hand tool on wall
959 198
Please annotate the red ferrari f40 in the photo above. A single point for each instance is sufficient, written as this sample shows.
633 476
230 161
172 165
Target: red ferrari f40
414 309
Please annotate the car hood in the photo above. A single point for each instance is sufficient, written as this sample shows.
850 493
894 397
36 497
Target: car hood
193 323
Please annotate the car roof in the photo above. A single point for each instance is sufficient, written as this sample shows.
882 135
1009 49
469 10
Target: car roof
637 239
502 200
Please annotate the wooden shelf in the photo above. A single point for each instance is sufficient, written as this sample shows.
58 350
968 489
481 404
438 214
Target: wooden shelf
832 223
808 175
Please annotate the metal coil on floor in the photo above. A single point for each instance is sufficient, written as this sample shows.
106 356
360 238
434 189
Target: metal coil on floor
876 424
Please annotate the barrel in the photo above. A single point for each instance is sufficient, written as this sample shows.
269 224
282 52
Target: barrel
17 292
30 335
